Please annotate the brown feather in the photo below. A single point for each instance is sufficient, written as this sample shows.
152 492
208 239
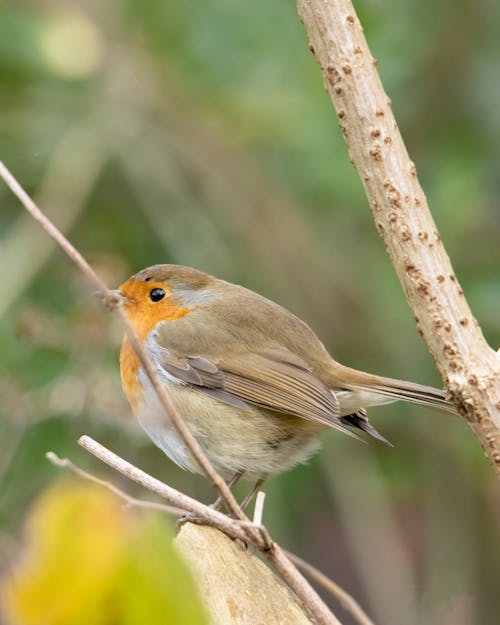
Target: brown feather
245 350
257 379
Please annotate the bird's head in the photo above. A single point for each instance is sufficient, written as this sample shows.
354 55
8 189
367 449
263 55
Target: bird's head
163 293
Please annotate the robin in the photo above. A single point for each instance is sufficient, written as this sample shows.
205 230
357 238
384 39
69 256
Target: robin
253 382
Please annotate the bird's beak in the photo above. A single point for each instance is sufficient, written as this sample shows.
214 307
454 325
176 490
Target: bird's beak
112 297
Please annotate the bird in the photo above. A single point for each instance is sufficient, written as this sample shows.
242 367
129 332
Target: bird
253 382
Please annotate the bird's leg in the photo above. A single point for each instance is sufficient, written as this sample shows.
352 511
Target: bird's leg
234 480
251 494
191 518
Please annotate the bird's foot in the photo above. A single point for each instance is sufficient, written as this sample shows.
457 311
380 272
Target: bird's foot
188 517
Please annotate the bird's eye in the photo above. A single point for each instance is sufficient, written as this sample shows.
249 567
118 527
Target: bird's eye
156 295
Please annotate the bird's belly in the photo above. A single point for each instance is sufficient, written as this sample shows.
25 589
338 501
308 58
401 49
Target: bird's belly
253 440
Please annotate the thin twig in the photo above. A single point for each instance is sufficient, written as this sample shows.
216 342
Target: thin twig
221 521
346 600
49 227
259 537
114 302
66 463
68 179
178 421
298 583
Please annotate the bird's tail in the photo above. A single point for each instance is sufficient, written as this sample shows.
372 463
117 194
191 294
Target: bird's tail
412 392
359 390
371 390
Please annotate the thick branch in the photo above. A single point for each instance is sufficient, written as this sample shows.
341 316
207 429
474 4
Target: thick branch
235 585
469 367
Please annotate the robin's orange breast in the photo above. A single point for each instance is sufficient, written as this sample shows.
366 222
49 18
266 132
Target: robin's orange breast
144 318
129 367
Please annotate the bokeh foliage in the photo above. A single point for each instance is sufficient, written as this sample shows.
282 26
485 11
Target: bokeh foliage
88 561
199 133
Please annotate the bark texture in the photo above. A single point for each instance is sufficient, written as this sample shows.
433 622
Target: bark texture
236 587
469 367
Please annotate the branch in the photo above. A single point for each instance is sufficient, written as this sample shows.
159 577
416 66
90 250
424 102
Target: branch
246 530
469 367
345 599
217 519
115 304
222 567
234 528
235 585
66 463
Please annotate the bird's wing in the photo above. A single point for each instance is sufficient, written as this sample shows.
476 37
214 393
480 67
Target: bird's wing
273 379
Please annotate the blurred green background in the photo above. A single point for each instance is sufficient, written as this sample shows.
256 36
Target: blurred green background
200 134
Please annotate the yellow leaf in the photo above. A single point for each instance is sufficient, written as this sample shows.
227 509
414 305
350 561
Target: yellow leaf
88 561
